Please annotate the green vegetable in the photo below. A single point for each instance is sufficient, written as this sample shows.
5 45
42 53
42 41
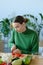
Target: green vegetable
17 62
1 61
26 60
15 59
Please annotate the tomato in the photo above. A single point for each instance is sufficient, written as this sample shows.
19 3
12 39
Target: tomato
22 55
0 64
4 63
17 55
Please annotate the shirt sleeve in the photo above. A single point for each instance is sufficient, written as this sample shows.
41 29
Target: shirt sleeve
11 41
35 44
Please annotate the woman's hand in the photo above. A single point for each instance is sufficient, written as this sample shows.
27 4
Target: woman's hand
16 51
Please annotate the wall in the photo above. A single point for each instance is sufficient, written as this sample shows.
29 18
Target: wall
9 8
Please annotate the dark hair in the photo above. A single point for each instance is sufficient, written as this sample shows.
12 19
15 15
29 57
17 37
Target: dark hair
20 19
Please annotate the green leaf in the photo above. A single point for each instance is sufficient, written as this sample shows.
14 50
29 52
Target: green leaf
5 27
31 16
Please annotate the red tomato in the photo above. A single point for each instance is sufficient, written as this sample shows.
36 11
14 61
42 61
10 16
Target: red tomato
4 63
17 55
22 55
0 64
13 53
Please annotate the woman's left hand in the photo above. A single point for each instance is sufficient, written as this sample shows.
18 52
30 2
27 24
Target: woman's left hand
17 51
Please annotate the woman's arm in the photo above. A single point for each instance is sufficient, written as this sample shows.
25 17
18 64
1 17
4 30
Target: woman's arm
35 44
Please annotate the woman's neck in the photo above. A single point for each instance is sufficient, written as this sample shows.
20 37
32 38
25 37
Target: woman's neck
24 29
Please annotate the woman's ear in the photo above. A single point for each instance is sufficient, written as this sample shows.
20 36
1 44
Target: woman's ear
24 23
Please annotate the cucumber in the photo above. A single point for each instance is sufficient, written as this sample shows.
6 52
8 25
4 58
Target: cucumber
17 62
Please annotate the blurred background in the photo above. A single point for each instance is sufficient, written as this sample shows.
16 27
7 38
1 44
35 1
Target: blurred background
30 9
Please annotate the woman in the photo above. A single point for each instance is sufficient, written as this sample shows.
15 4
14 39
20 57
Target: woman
23 40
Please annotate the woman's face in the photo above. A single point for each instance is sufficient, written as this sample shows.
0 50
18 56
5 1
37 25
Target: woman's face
18 27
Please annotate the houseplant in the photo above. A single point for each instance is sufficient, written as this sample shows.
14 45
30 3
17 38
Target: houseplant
35 25
5 27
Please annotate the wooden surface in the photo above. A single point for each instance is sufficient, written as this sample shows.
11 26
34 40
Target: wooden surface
41 43
36 59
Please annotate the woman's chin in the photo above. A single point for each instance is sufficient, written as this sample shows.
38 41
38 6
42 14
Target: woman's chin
19 31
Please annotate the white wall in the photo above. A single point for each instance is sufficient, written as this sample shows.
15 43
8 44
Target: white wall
15 7
9 8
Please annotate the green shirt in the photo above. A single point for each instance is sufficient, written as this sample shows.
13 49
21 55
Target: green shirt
26 41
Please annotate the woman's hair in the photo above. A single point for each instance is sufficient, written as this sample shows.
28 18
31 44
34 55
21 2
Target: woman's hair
20 19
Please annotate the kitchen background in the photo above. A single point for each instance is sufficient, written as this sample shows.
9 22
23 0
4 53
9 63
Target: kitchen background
31 9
